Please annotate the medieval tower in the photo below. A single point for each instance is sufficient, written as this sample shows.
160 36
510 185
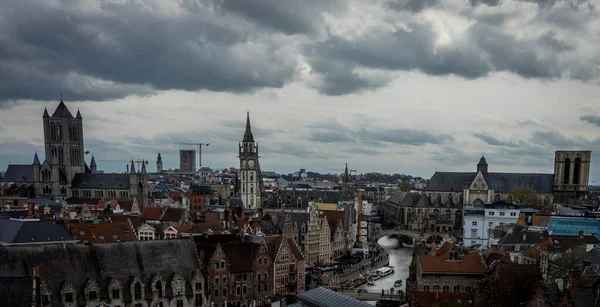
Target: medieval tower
571 174
250 187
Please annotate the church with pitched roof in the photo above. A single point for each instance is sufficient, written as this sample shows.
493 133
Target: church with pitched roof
64 172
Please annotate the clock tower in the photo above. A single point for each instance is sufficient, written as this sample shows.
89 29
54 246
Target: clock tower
250 180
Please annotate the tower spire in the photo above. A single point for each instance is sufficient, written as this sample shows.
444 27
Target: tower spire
132 168
36 160
143 171
248 137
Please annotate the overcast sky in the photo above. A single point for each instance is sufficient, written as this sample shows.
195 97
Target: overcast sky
405 86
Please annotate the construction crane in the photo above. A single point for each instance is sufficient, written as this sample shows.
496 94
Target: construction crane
199 151
126 162
341 170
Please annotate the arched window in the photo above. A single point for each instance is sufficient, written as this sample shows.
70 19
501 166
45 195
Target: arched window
46 190
478 202
137 289
299 202
159 288
498 197
251 176
546 200
63 191
450 197
577 171
251 189
567 169
439 198
279 202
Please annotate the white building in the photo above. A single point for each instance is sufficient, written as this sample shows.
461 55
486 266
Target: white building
479 221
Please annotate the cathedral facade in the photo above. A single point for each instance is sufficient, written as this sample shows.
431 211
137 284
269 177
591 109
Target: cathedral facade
64 172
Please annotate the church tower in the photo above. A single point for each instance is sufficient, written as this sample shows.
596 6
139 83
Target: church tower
250 187
63 141
571 174
159 164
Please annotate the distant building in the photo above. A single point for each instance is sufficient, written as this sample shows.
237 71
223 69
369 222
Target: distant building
64 173
251 186
159 164
480 221
187 161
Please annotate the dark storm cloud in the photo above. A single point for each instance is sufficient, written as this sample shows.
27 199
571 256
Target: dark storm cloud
128 49
483 49
594 120
291 17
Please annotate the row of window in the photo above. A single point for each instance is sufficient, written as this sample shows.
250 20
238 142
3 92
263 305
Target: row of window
446 289
100 193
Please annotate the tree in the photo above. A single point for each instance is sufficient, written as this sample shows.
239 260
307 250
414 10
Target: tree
527 196
404 186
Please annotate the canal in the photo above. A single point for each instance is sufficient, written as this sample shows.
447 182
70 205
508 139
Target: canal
400 258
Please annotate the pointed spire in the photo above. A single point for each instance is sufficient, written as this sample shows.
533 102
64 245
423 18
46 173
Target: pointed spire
144 167
132 168
62 110
93 162
346 178
78 115
46 115
36 160
248 137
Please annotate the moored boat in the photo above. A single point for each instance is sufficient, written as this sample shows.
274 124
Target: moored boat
398 283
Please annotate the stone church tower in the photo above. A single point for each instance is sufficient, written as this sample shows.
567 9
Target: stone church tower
250 187
159 164
571 174
63 141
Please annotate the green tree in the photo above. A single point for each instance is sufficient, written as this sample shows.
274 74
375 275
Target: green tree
527 196
404 186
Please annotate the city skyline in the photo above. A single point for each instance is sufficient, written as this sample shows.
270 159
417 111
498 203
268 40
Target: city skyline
395 87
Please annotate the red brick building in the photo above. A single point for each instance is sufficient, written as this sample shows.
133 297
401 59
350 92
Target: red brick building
200 196
449 274
288 265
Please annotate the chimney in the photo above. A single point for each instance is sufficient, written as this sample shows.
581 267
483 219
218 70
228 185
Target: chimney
433 249
31 209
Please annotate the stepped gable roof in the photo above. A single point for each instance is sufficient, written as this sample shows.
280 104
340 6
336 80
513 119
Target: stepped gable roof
18 231
100 181
273 243
294 248
19 173
79 263
62 111
240 255
499 182
298 218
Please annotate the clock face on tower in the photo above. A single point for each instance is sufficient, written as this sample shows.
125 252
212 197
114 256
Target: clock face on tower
243 163
251 163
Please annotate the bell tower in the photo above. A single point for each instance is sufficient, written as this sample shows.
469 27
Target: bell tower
250 183
63 140
571 174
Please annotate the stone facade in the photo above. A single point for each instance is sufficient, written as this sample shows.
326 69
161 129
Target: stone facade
250 182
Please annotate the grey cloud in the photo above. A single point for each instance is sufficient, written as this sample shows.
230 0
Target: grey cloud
411 5
490 139
380 137
293 17
126 49
594 120
554 139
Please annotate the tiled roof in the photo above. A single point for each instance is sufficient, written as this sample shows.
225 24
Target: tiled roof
83 200
323 297
500 182
100 181
103 232
18 231
469 264
273 244
19 173
62 111
79 263
136 220
152 213
173 215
